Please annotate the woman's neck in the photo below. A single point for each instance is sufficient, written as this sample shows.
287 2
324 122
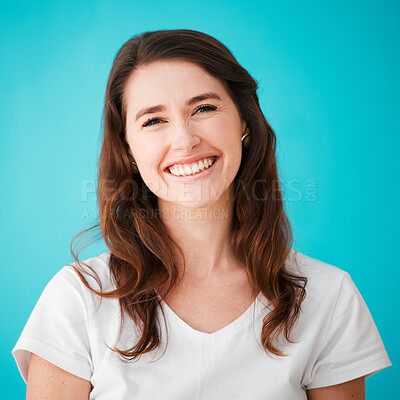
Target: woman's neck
203 234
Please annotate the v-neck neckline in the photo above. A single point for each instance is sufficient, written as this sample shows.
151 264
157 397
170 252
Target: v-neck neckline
220 333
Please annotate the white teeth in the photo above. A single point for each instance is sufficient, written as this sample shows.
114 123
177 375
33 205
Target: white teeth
185 170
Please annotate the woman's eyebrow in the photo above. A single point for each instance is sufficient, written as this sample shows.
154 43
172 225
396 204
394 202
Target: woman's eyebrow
193 100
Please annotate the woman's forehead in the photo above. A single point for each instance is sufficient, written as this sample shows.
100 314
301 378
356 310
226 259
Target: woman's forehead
169 81
170 66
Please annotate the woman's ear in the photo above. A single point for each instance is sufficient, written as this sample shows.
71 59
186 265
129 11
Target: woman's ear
244 126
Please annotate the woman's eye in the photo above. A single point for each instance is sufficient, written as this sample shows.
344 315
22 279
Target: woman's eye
149 121
207 108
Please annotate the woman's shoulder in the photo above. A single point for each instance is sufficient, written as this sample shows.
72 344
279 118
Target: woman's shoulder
60 325
335 326
323 279
313 268
95 270
66 286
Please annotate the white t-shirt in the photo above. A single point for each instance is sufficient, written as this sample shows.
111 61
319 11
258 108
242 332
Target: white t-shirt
337 341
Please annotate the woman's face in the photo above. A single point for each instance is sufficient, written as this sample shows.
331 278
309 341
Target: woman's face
178 115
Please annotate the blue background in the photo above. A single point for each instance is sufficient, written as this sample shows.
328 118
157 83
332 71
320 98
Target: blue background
329 85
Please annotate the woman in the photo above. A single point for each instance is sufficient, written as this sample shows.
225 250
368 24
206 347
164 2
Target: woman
200 295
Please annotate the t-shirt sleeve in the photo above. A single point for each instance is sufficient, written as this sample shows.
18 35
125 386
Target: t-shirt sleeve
57 329
352 346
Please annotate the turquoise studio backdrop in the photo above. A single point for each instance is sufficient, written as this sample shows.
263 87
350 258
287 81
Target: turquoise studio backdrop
329 85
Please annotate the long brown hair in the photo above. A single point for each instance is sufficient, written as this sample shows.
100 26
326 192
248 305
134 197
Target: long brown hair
141 259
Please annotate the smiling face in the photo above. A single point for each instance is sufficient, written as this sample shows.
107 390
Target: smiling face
177 114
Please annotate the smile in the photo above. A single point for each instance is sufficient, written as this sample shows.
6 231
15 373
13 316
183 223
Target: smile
194 170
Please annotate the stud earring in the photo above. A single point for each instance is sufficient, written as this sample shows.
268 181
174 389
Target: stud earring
246 140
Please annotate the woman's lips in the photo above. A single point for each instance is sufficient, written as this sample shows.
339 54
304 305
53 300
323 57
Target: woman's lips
196 176
213 157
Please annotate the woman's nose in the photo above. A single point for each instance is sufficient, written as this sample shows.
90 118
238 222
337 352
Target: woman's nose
184 139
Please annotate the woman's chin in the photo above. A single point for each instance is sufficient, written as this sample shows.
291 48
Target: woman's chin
191 206
191 202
